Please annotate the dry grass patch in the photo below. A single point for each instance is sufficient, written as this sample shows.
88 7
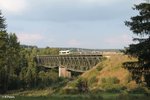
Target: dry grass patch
109 68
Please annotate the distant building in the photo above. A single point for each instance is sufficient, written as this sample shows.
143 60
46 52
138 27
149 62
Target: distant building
64 52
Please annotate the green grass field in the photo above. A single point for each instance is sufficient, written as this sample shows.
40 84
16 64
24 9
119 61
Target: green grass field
102 96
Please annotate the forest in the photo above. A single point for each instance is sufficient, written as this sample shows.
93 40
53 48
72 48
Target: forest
18 68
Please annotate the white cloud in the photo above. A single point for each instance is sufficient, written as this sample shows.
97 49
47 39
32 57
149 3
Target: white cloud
116 41
30 38
138 1
84 2
78 3
100 1
13 5
74 43
107 1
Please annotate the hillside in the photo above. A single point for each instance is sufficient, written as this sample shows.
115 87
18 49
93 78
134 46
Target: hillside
108 74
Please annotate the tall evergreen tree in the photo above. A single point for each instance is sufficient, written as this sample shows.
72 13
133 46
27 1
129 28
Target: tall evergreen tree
140 25
2 22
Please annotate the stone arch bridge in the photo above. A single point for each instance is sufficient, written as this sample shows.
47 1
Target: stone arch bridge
68 63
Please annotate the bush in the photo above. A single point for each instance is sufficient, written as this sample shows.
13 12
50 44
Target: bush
14 82
97 91
69 91
99 67
48 78
110 80
138 90
92 80
111 84
114 90
82 85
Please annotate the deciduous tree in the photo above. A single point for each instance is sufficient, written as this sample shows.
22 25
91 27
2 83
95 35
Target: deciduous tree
9 57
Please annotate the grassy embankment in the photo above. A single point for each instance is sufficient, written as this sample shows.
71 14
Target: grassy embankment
108 74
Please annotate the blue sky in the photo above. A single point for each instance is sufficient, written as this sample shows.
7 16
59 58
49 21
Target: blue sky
70 23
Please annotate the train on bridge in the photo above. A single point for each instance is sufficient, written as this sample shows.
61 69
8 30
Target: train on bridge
70 52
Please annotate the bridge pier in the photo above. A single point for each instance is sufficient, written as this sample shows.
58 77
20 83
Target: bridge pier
63 72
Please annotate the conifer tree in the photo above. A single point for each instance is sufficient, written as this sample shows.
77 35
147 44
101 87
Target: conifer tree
2 22
140 26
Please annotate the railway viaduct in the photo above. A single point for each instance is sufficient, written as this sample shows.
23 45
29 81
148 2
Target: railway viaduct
68 63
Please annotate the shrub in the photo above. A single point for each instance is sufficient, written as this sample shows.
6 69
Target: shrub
97 91
82 85
14 82
110 80
111 84
92 80
138 90
99 67
69 91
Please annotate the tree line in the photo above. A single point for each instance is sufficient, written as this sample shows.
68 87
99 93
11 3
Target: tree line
18 69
